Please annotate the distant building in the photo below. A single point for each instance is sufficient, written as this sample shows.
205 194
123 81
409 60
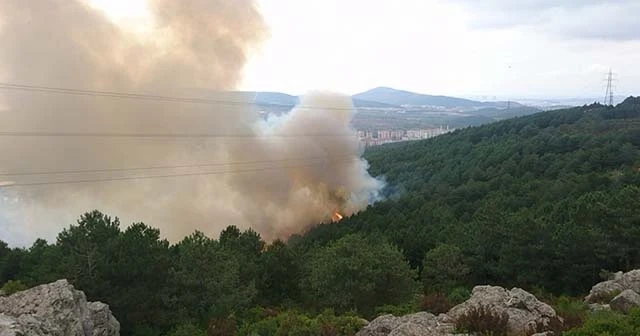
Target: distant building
379 137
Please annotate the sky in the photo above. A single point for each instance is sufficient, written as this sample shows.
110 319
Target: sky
501 48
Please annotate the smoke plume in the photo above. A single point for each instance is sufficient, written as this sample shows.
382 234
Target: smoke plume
278 176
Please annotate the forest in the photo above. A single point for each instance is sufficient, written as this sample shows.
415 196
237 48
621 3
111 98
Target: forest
547 202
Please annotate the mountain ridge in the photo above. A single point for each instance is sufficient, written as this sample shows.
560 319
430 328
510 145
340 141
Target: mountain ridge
386 97
389 95
284 99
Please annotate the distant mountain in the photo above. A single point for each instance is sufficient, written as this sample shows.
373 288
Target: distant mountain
380 98
274 98
372 104
278 98
400 97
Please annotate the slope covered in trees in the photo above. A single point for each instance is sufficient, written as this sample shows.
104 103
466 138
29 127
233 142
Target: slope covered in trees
544 202
547 200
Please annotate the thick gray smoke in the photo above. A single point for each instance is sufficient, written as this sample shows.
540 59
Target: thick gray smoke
278 176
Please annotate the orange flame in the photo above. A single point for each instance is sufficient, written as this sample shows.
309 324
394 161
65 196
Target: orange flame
336 217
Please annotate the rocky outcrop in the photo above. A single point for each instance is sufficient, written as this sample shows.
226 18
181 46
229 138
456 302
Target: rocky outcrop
419 324
625 301
526 313
621 293
604 291
55 309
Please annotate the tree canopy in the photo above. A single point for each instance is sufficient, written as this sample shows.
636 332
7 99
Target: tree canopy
542 202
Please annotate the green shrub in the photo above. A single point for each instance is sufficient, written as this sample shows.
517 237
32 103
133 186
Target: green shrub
13 286
543 295
187 329
572 311
459 295
610 324
332 325
265 327
293 323
397 310
481 320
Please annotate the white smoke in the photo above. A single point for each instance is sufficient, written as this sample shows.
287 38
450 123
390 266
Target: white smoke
278 176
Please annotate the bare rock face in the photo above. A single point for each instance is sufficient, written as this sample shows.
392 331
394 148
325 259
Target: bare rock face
419 324
55 309
604 291
625 301
526 313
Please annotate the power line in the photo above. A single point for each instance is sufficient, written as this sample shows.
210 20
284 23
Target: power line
164 135
125 95
107 170
127 178
138 96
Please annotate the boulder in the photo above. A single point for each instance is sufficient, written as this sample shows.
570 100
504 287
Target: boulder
419 324
55 309
625 301
604 291
526 313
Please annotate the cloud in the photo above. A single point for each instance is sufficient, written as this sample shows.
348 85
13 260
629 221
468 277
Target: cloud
575 19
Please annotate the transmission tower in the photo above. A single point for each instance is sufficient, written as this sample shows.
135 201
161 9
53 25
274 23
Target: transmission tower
608 95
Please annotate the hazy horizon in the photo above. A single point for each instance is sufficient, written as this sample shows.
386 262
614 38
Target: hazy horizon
456 48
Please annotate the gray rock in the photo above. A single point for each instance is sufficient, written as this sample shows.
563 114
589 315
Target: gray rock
625 301
526 313
55 309
8 326
419 324
604 291
594 307
631 280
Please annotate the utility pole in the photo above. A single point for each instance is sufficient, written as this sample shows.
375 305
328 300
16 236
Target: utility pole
608 95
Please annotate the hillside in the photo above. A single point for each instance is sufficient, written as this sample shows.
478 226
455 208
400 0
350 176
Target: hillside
546 200
400 97
386 98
